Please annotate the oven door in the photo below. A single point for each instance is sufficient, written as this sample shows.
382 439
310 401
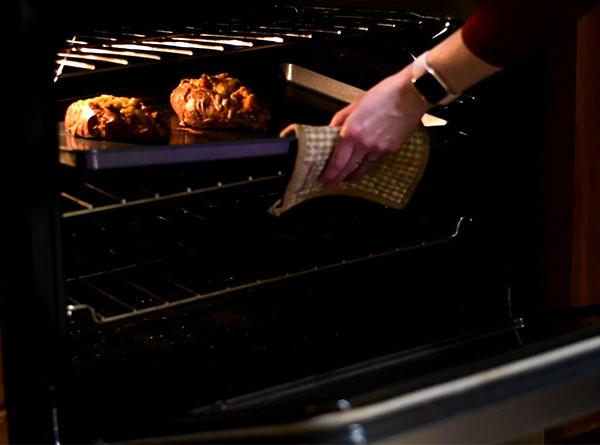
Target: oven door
493 401
322 372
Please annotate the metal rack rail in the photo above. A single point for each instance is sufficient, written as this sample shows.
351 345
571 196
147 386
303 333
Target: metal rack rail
102 198
103 48
104 306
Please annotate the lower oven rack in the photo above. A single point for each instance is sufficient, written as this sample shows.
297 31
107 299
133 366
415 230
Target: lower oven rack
155 303
91 198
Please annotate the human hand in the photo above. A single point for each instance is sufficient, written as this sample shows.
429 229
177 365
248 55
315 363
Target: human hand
373 127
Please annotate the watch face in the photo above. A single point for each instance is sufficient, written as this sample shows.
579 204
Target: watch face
430 88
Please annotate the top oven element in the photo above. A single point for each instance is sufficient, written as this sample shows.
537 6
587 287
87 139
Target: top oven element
101 48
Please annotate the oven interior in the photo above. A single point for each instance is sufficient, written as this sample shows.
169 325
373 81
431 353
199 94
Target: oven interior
189 307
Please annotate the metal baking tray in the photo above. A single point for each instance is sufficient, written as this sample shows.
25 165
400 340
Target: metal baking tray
183 147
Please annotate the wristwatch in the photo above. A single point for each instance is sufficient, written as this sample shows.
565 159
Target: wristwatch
429 84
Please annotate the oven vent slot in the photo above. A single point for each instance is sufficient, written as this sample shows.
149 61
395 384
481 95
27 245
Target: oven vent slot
150 288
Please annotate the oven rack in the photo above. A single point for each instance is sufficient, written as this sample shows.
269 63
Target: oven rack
102 49
154 303
89 198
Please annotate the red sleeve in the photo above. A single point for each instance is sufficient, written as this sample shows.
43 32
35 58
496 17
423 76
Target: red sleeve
503 31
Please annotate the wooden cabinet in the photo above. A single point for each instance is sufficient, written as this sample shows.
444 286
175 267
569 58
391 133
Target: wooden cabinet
571 260
3 421
572 206
585 265
585 430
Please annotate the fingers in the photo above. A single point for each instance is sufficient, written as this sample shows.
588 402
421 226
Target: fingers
351 159
340 117
349 155
342 156
365 166
355 162
367 134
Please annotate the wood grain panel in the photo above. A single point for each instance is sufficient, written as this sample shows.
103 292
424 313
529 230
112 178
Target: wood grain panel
3 421
571 255
583 430
3 428
2 400
557 183
586 186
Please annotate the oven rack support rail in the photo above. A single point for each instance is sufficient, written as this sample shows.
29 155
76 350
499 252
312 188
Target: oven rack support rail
98 318
121 202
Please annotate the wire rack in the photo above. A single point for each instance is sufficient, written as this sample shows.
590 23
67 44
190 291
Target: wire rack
155 285
102 49
88 198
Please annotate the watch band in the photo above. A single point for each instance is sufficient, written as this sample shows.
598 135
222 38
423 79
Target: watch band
428 82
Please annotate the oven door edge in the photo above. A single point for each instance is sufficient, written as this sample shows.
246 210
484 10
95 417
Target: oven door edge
547 385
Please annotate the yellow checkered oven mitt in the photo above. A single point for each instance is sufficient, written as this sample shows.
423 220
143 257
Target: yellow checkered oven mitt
390 181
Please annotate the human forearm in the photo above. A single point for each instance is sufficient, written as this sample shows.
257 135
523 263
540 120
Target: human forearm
456 64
